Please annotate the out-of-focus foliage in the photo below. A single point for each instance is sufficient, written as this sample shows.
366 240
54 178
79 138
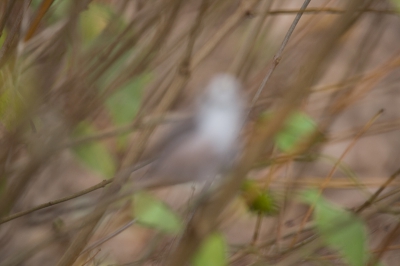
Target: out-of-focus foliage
99 56
124 104
154 213
5 107
94 154
212 252
93 21
58 10
258 199
11 103
297 128
3 37
340 229
397 4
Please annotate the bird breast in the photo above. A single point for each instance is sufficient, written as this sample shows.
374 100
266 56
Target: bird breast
220 127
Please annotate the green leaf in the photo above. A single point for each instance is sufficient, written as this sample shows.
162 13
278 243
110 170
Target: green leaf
212 252
93 21
258 199
124 104
296 129
154 213
3 37
397 4
340 229
11 106
94 154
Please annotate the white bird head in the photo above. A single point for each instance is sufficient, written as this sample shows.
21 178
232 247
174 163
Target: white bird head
223 92
204 146
221 112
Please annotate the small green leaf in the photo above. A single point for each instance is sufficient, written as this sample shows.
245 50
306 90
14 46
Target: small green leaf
340 229
154 213
124 104
212 252
311 197
93 21
94 154
297 128
258 199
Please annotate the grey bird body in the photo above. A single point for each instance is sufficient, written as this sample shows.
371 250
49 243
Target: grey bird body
205 145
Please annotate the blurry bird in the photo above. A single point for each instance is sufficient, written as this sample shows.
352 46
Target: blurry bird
205 145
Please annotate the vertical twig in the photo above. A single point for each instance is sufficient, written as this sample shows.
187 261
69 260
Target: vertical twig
6 15
250 38
278 55
44 7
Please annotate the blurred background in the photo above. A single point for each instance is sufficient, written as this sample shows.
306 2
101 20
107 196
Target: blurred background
86 86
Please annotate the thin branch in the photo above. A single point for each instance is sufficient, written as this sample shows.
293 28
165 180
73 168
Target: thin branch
91 258
249 39
55 202
6 15
330 11
384 245
44 7
109 133
165 79
270 241
133 155
245 8
12 35
378 192
278 55
113 234
377 128
147 52
333 170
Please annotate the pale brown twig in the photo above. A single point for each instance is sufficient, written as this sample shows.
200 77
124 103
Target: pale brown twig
378 192
44 7
329 176
330 10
